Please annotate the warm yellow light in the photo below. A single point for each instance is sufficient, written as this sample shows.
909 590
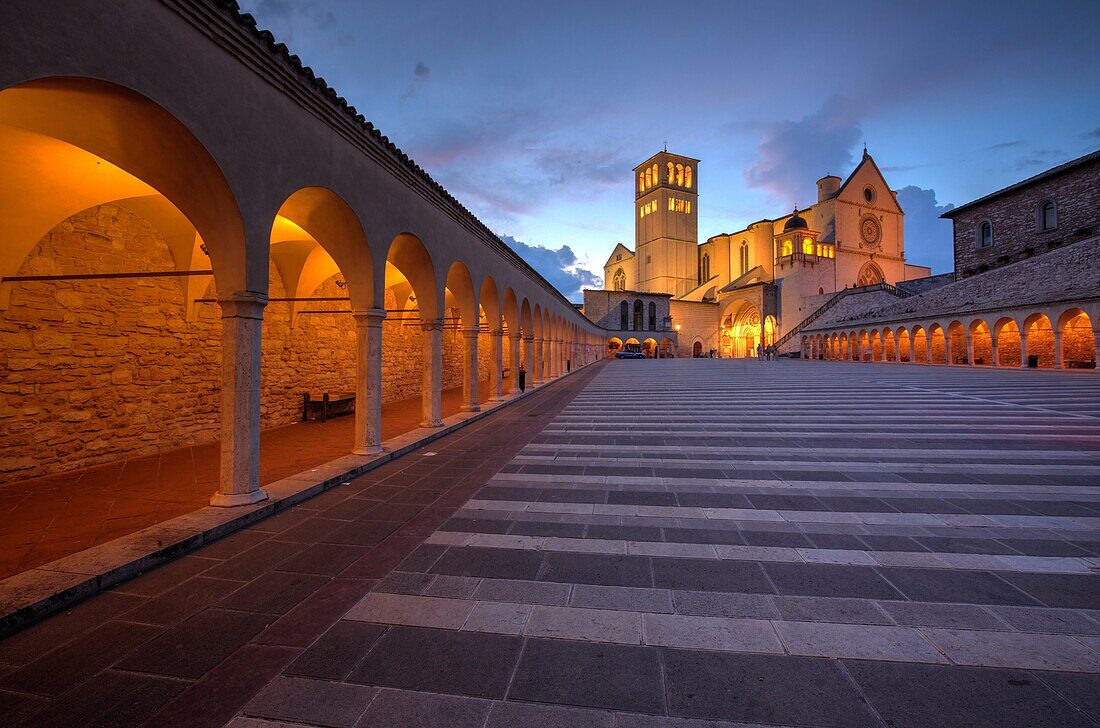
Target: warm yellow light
677 327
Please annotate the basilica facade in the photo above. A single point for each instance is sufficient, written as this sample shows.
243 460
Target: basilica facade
735 291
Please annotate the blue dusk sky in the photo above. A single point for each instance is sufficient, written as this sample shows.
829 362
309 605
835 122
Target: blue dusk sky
533 114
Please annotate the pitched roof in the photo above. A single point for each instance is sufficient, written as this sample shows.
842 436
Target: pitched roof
867 159
1052 172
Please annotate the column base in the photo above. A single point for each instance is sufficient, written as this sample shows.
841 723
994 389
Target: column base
221 500
432 423
470 408
513 391
498 398
369 450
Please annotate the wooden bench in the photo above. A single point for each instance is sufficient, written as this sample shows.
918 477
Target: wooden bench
329 404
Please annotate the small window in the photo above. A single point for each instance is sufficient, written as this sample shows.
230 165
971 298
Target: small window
869 193
985 234
1048 216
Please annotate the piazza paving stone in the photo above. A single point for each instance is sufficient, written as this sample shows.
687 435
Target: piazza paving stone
746 544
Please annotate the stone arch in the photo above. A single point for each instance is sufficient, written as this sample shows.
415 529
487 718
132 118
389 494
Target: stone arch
742 329
649 347
939 344
64 155
918 343
956 338
903 341
981 343
889 345
1007 342
1039 335
876 345
870 274
1078 338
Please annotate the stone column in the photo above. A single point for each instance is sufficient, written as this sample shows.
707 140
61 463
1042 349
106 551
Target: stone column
948 354
1058 354
1023 349
927 347
496 365
1096 348
994 355
431 387
969 349
514 363
540 361
897 350
368 381
242 330
470 399
529 359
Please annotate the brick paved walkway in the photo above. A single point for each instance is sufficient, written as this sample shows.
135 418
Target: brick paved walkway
809 544
43 519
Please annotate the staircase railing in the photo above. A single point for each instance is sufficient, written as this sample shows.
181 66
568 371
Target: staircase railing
840 295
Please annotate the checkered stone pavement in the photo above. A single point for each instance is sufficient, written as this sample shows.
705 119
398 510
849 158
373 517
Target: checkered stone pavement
760 544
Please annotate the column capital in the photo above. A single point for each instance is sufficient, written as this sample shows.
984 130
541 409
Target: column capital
470 331
496 332
369 316
243 304
526 337
431 324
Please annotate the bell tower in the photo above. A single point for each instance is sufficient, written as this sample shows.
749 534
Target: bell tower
666 210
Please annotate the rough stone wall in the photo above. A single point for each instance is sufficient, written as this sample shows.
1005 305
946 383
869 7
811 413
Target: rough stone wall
603 308
315 355
1015 219
95 370
697 321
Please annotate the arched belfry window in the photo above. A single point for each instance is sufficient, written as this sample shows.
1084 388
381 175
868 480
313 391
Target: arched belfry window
648 178
680 175
652 316
985 234
641 183
671 173
624 315
656 174
618 281
744 257
687 177
639 315
1048 216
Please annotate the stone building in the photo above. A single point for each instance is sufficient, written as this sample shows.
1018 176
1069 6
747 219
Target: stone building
633 318
1027 292
738 290
196 239
1051 209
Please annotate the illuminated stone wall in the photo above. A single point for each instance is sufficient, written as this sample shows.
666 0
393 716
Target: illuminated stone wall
698 322
93 371
96 370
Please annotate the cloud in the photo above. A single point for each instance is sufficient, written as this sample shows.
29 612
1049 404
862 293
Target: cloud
1094 134
928 239
793 154
421 74
561 267
1004 145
